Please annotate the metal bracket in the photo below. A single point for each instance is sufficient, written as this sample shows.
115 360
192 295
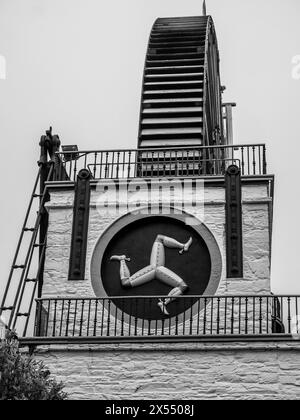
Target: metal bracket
234 233
80 226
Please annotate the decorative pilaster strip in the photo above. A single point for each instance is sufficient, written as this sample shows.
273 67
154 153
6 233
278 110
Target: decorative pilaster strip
80 226
234 233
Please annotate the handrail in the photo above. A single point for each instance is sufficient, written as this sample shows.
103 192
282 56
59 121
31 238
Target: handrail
267 295
162 149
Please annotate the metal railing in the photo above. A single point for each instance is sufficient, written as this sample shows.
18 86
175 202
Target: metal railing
190 316
175 162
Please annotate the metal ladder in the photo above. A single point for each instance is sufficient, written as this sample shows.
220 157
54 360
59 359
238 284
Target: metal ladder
18 297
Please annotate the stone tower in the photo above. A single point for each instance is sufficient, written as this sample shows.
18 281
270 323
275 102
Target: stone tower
154 263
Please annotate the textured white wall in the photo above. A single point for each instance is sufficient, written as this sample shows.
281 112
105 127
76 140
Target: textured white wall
255 230
178 371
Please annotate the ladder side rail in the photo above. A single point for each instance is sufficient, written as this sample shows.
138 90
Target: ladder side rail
28 260
19 243
43 253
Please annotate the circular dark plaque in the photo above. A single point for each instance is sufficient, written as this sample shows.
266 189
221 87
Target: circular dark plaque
194 270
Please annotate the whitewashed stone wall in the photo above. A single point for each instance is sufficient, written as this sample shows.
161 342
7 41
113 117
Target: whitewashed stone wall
175 371
255 229
178 371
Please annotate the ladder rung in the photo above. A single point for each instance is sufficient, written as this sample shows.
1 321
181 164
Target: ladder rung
29 229
7 308
37 195
38 245
18 266
31 280
26 314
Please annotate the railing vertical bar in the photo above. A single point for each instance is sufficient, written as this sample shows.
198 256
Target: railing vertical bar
89 318
152 164
176 320
198 316
260 315
225 317
70 171
187 163
248 160
156 327
218 316
108 317
289 315
75 168
103 317
144 316
101 165
243 161
149 320
297 314
129 167
191 317
136 318
85 161
47 320
130 317
163 321
254 160
211 316
106 165
268 319
184 320
246 315
95 319
81 317
122 317
68 318
62 316
240 314
232 315
204 316
116 320
281 309
254 315
176 171
54 318
112 163
264 161
95 165
75 317
38 319
123 165
118 165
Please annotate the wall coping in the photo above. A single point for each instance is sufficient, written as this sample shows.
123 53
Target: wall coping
214 180
280 342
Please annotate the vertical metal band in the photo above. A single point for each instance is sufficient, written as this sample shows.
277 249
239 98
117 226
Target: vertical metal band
80 226
234 234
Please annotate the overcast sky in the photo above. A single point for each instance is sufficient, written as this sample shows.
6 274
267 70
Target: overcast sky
77 65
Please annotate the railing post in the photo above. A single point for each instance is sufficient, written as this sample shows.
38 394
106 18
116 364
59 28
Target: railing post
264 160
38 319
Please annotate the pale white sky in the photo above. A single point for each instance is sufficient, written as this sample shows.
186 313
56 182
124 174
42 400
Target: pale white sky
78 64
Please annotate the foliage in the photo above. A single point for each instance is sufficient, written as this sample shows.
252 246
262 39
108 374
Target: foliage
23 378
